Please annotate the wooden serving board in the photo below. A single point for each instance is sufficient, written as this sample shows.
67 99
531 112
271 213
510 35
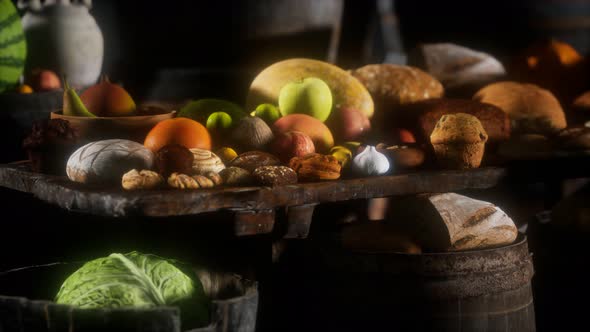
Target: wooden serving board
254 207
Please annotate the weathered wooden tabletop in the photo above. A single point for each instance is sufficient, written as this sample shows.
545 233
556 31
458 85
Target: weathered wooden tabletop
254 206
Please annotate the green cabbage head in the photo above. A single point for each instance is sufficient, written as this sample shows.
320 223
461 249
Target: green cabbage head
138 280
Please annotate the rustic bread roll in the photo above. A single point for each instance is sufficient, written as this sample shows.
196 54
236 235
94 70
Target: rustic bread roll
275 175
403 157
459 141
579 112
106 161
458 68
451 222
392 85
144 179
495 122
532 110
529 146
236 176
251 160
577 138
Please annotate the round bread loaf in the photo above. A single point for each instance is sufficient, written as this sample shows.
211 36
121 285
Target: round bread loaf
106 161
495 121
392 85
532 110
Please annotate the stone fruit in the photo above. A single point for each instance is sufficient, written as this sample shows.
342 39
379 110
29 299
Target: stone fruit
318 132
13 47
72 105
106 161
291 144
346 90
310 96
252 133
44 80
349 124
183 131
219 120
108 99
201 109
267 112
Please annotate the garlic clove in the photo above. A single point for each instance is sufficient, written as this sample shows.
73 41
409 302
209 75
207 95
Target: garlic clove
370 162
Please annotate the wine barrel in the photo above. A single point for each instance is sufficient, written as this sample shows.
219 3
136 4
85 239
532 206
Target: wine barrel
479 290
234 305
17 114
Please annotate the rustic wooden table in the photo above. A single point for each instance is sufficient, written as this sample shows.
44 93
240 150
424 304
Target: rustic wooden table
254 208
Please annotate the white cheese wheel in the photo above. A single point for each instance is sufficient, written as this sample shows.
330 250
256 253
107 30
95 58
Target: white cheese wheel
106 161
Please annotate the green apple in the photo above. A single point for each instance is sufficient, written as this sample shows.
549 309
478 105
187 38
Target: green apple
311 96
219 120
267 112
201 109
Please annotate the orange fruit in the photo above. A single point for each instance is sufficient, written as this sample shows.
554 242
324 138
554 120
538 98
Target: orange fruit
183 131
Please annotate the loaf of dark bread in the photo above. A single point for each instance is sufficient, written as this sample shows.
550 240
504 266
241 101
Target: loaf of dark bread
495 122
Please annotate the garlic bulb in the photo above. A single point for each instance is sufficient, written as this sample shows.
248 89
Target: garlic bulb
370 162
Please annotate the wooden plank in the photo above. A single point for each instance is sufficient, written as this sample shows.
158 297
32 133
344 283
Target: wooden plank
254 222
299 220
115 202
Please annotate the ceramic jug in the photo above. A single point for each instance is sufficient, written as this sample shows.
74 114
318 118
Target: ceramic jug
64 37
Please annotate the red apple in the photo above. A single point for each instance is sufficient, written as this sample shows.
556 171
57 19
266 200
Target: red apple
291 144
44 80
349 124
402 136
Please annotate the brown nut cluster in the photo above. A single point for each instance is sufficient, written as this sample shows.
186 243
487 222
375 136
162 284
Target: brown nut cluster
183 181
315 166
134 180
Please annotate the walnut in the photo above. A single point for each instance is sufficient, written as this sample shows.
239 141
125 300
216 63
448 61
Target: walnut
144 179
182 181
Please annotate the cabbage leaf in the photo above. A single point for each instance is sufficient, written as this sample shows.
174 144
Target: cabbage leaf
138 280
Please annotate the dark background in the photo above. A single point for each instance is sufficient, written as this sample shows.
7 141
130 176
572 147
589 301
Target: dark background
145 41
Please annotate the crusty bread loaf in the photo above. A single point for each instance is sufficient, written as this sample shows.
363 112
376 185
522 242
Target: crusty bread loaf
532 110
392 85
451 222
495 122
461 70
106 161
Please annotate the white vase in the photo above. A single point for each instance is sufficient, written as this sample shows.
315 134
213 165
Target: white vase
65 38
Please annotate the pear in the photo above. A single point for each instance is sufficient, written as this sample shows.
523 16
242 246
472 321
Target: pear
72 104
108 99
